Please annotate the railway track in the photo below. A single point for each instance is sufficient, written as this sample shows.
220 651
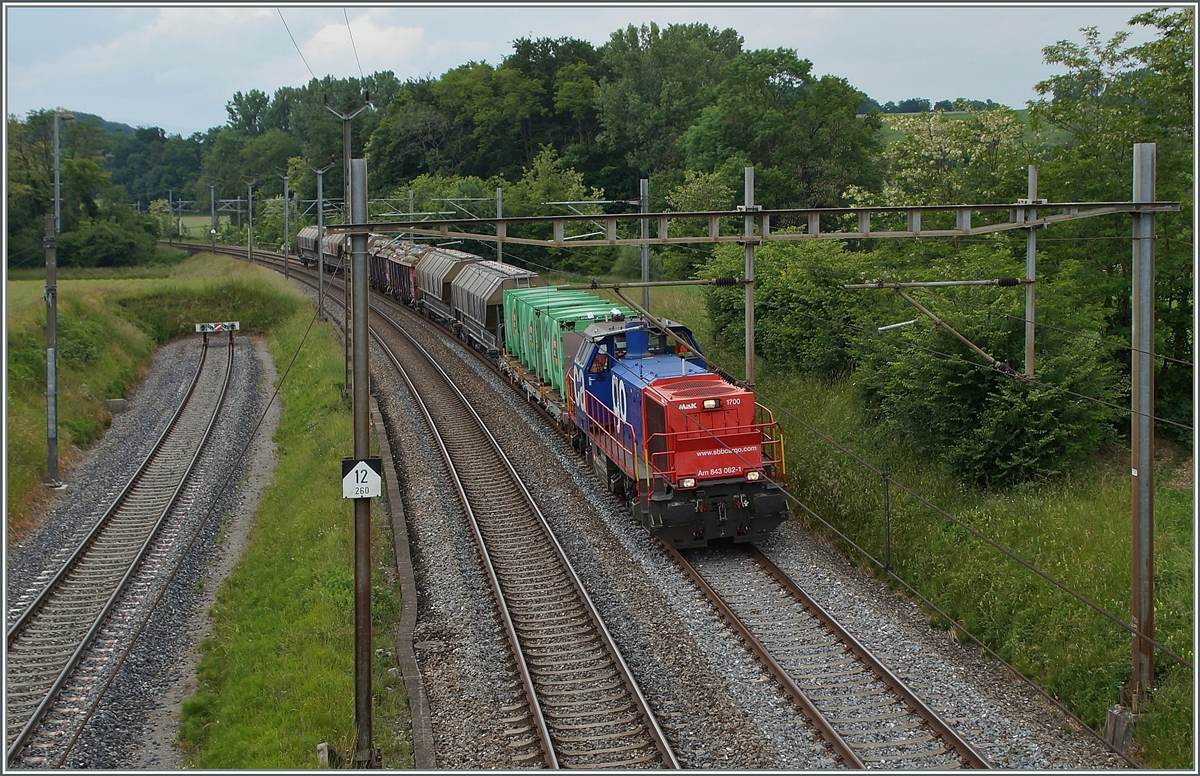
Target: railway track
583 708
866 714
63 627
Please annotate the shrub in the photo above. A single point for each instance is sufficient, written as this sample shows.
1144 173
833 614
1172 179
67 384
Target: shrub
105 243
804 319
989 429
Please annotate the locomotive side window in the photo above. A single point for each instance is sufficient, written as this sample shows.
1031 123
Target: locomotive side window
600 364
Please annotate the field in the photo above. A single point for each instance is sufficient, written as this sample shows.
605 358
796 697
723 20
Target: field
198 225
1077 530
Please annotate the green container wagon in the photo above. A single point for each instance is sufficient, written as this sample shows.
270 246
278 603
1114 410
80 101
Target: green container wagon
561 329
522 307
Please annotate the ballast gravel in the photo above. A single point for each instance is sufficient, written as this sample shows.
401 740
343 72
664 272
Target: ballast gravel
717 706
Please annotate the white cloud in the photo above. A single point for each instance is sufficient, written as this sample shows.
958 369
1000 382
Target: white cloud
176 67
379 47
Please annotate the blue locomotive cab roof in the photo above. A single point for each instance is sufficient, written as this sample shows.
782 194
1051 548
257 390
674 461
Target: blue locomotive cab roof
639 353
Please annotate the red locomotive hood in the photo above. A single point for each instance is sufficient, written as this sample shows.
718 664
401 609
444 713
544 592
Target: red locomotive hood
685 390
709 426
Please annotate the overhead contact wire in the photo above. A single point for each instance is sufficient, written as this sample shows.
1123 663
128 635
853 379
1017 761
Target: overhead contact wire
352 46
294 43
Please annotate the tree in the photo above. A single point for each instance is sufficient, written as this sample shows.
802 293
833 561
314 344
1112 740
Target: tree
566 69
802 134
660 82
1110 98
264 156
414 139
943 160
913 105
247 111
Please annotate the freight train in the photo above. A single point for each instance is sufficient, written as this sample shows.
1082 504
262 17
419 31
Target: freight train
695 456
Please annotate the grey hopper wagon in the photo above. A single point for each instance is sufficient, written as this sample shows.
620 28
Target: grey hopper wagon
436 271
477 295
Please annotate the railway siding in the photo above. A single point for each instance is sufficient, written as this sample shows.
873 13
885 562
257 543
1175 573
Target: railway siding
115 730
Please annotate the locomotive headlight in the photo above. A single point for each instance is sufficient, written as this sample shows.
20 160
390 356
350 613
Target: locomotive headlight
687 482
753 476
712 404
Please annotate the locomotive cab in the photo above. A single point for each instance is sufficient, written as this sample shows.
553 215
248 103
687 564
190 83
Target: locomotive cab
696 455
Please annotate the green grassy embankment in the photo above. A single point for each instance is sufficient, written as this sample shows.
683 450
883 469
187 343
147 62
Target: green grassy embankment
106 340
278 678
1077 530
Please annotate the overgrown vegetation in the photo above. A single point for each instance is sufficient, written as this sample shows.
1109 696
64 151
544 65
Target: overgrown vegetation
277 678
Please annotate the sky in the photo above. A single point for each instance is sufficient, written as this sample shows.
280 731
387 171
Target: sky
176 66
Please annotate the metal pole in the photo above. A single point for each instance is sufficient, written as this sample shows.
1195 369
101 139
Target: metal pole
644 207
346 300
51 243
362 449
1030 272
321 242
250 222
212 208
749 232
499 214
287 240
1144 174
170 219
53 228
412 203
57 189
887 521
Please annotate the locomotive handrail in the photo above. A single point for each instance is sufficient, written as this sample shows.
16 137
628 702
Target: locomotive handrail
604 423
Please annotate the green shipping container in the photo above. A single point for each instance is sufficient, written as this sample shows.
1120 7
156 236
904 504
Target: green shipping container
521 310
561 331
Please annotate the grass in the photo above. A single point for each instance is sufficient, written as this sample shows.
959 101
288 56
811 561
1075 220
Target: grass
108 324
277 677
1076 529
100 356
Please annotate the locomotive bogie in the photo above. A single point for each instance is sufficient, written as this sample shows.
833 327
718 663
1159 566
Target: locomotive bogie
721 510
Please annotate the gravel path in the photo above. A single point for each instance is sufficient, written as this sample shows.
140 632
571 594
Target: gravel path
135 723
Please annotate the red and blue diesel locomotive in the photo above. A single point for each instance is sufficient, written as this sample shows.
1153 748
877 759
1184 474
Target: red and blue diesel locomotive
695 456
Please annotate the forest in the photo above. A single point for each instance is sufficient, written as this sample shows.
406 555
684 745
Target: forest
689 107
